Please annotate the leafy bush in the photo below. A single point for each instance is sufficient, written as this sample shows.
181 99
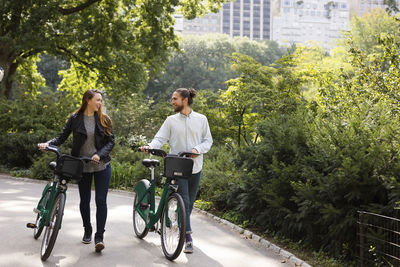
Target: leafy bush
40 167
219 178
27 121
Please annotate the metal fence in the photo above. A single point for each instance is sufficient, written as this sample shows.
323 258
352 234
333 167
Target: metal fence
379 240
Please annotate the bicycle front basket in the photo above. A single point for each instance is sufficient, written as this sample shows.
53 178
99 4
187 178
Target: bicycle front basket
178 167
69 167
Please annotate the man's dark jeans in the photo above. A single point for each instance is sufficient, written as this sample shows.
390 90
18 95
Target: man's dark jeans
101 183
188 188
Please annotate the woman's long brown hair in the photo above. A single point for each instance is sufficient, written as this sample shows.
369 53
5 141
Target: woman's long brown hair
104 119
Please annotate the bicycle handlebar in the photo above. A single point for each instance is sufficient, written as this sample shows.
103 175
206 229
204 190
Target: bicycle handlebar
155 152
187 154
162 153
56 150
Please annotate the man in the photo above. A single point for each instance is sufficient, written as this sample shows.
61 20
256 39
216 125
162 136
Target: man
186 131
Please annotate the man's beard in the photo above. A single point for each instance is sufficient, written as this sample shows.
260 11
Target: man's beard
178 108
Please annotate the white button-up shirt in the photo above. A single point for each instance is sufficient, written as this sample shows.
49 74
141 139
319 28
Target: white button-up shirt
185 133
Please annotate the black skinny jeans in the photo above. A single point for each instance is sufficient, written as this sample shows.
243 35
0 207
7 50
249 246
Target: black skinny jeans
101 183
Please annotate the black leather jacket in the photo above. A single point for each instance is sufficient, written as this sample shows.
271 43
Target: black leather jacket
103 142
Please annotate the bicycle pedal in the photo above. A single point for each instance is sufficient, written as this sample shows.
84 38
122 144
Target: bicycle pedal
35 210
31 225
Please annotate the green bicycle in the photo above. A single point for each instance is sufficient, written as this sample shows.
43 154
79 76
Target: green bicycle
171 209
50 208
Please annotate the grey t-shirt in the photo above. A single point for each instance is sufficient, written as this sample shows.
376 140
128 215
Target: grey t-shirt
89 149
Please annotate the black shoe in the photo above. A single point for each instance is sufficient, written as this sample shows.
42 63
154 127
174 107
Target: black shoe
98 242
87 236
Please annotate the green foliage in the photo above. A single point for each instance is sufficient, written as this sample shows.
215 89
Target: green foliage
207 103
26 122
120 42
49 67
137 119
20 172
40 168
203 205
125 175
204 62
127 168
218 175
319 162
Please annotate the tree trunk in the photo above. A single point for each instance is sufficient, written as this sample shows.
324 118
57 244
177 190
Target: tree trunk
239 133
10 68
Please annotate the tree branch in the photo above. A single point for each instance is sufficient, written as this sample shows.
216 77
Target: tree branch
69 11
29 53
65 51
70 54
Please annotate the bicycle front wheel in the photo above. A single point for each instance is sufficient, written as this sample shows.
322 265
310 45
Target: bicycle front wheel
51 232
173 225
139 224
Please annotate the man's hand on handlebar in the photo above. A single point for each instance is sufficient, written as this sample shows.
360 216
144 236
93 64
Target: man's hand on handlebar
42 146
194 150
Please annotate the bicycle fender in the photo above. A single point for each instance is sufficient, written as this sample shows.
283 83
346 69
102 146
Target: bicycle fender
45 189
141 187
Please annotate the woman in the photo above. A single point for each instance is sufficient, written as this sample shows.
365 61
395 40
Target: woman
92 137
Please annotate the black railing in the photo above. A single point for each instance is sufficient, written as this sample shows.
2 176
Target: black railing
379 240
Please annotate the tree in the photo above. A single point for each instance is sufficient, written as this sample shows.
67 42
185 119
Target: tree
391 6
246 95
121 41
204 62
366 30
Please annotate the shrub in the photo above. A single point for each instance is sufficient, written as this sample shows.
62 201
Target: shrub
219 178
27 121
40 168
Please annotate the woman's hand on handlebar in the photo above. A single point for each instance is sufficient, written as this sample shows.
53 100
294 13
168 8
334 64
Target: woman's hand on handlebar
96 158
144 148
42 146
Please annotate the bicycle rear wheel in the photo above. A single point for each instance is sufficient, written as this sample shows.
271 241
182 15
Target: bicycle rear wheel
173 225
139 224
37 231
51 232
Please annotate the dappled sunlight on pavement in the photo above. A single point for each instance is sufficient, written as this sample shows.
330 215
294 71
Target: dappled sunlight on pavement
214 244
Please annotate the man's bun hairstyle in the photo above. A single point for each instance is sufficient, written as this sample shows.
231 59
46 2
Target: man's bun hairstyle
187 93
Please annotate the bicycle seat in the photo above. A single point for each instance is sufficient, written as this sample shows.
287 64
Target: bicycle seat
150 163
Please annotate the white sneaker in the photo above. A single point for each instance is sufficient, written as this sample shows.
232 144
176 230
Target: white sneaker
188 247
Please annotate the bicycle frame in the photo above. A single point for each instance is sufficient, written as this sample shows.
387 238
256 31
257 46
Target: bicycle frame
150 215
54 188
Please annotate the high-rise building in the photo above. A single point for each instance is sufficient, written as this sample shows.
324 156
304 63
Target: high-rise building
249 18
285 21
300 21
359 7
210 23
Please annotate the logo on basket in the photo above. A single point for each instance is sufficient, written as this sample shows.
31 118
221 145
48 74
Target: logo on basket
178 173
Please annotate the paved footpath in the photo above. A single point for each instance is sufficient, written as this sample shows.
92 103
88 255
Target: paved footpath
215 244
